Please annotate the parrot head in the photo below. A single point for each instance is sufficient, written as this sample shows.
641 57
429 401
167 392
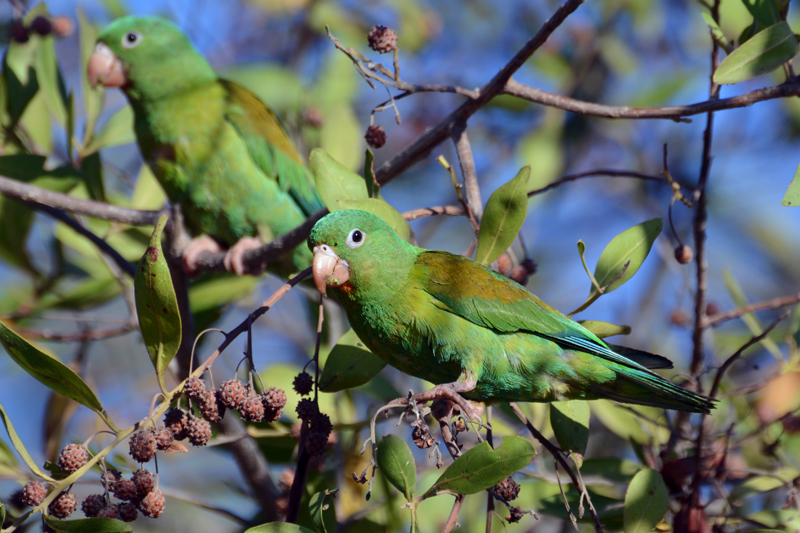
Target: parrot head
349 246
146 57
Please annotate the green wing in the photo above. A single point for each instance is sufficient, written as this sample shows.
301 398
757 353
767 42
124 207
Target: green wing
270 146
485 298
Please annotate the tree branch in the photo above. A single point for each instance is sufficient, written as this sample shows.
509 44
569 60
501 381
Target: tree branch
514 88
39 196
468 173
775 303
426 142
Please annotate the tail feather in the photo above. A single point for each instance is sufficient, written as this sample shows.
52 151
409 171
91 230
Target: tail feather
643 388
646 359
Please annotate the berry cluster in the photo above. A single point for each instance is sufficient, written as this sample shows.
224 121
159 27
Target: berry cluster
519 273
135 494
382 39
58 26
320 428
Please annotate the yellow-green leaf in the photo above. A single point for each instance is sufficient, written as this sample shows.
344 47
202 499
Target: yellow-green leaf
570 421
350 364
335 181
379 207
322 511
505 212
646 502
117 130
156 304
631 245
88 525
604 329
92 97
278 527
395 460
17 443
482 467
765 51
792 196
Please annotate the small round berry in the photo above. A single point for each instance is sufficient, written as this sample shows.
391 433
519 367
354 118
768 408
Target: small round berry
164 438
679 318
194 387
145 481
508 489
62 26
322 423
274 399
382 39
316 443
41 25
127 511
281 506
422 437
252 408
519 275
110 511
126 490
72 457
142 446
63 506
210 407
199 431
93 504
18 32
503 264
232 394
286 480
375 136
153 504
306 409
33 493
176 419
303 383
712 309
109 479
683 254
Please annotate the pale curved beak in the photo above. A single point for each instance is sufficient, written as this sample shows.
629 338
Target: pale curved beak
104 67
329 270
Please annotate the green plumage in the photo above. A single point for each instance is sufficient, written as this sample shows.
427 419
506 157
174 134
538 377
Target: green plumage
440 316
216 149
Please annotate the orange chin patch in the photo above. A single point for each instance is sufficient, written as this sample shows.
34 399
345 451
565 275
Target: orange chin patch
346 288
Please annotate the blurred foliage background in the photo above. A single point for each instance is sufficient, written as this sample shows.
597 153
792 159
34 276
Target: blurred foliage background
621 52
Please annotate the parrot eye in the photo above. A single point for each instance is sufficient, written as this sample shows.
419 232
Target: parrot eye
355 238
131 39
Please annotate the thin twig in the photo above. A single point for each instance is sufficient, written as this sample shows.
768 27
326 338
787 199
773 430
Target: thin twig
451 210
468 173
774 303
597 173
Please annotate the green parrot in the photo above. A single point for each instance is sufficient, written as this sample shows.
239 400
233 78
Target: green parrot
478 335
216 149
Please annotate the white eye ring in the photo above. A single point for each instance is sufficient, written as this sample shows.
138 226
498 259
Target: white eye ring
131 39
355 239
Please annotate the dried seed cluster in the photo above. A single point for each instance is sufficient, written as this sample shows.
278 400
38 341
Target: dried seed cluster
382 39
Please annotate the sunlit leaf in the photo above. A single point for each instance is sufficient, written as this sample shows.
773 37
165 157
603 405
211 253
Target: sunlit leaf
88 525
47 369
156 304
51 83
386 212
505 212
335 181
92 97
765 51
604 329
716 31
17 443
482 467
625 424
646 502
570 421
792 196
117 130
278 527
766 12
395 460
632 245
341 135
350 364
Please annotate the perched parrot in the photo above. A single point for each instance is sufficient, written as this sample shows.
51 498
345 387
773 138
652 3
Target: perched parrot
216 149
477 334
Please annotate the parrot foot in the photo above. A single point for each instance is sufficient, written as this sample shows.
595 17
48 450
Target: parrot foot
446 391
234 258
192 251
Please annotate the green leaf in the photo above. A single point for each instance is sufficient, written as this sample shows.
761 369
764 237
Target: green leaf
505 212
88 525
792 196
627 425
341 135
604 329
156 304
482 467
323 515
716 32
762 53
48 370
765 12
21 82
610 469
750 320
754 486
631 245
570 421
92 97
89 293
335 181
117 130
646 502
379 207
373 187
350 364
17 443
2 514
92 169
395 460
51 83
278 527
